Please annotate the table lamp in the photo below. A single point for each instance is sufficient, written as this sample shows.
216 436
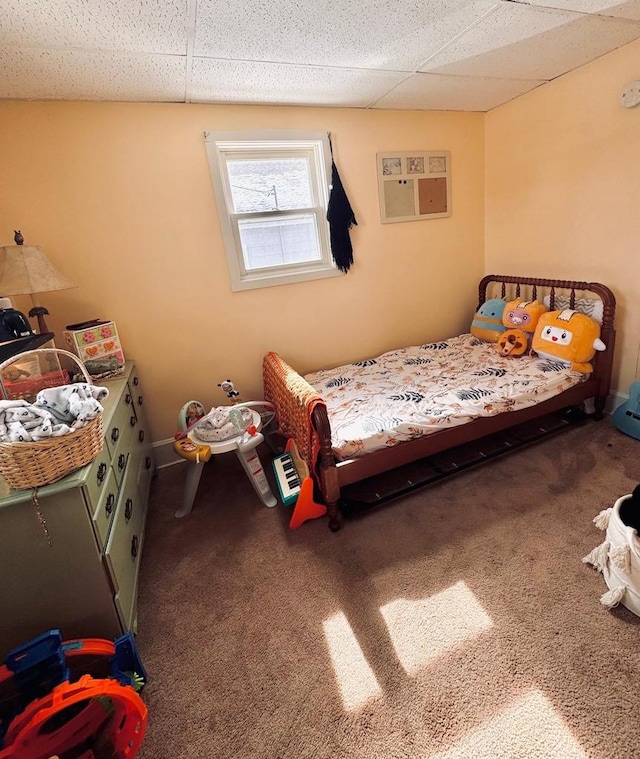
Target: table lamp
26 270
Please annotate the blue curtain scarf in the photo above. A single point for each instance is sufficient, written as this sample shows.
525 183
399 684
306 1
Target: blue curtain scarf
341 218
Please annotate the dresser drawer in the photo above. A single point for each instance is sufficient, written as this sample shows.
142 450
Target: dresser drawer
136 389
124 545
97 480
142 458
106 508
122 420
124 445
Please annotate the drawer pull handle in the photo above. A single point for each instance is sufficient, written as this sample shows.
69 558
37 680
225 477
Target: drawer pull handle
122 461
147 462
128 509
115 434
136 380
141 436
101 473
127 399
135 544
139 400
132 421
108 507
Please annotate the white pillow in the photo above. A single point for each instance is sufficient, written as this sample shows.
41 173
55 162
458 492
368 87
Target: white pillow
592 307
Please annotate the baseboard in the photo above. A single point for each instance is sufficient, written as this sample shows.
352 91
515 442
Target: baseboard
615 400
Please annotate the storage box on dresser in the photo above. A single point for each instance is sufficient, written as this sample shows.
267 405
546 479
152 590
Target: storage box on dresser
86 582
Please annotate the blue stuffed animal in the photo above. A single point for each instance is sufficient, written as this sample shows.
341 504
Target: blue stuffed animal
487 323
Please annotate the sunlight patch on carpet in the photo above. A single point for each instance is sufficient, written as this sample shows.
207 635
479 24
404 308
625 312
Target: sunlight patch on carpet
529 727
423 630
356 680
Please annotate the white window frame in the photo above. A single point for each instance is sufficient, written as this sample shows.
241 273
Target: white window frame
222 146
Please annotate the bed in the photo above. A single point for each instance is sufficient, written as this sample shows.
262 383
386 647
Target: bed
359 420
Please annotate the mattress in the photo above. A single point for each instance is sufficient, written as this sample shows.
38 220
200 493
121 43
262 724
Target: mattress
408 393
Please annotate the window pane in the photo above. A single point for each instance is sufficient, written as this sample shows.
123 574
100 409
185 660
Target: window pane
278 242
269 184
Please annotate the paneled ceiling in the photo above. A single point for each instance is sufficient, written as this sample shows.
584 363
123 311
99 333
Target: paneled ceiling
462 55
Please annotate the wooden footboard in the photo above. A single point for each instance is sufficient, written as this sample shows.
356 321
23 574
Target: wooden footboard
302 416
295 401
302 413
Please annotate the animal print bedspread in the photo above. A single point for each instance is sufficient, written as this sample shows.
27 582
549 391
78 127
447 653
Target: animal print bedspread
411 392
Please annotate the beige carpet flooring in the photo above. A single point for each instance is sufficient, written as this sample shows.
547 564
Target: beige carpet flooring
458 622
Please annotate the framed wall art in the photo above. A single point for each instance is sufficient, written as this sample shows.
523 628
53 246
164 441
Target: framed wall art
414 185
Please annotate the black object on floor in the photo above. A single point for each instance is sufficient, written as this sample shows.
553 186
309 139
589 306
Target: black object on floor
383 488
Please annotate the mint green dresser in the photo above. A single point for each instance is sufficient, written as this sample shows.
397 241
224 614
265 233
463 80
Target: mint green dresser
83 580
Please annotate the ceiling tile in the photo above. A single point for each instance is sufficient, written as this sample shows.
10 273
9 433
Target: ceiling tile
352 33
247 82
135 25
440 92
630 9
79 75
531 43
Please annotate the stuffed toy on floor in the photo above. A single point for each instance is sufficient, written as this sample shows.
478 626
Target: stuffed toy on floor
618 557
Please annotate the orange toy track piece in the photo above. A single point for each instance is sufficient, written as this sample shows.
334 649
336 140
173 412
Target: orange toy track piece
89 646
306 507
104 710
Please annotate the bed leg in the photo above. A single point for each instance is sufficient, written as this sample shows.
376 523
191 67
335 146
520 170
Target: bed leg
598 406
330 489
335 517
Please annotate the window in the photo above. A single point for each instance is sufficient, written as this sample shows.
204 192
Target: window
272 191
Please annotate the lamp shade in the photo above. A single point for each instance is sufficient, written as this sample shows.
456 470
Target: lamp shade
25 269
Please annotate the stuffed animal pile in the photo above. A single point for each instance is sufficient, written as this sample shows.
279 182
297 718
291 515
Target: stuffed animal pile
520 327
520 319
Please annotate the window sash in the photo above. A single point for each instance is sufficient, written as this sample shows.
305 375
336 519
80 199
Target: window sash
278 153
321 261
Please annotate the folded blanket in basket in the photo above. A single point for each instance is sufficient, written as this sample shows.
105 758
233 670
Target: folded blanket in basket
57 411
74 403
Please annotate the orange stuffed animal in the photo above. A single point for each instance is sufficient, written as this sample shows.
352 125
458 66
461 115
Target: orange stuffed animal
520 318
570 337
513 343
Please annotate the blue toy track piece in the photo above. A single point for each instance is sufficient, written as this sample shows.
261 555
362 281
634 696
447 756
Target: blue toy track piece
38 665
126 665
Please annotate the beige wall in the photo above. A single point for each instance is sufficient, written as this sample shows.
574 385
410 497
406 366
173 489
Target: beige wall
563 188
120 197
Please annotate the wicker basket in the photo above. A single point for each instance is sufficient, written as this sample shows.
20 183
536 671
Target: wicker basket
30 465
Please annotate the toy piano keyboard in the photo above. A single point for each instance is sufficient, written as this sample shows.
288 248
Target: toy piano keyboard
296 486
290 469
